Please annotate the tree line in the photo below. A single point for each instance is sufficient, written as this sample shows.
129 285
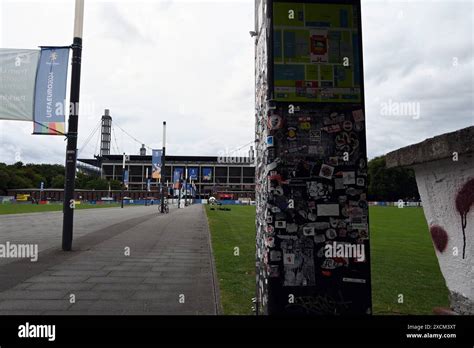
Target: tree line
20 176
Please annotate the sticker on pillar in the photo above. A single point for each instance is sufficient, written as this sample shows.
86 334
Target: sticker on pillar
318 190
288 259
274 271
358 115
308 231
328 209
348 178
351 191
270 229
360 182
347 126
270 140
280 224
291 133
275 255
328 264
332 129
304 122
270 242
319 46
326 171
331 233
333 161
315 136
275 122
334 118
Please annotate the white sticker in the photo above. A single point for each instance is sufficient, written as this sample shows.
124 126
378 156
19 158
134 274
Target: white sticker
348 178
328 209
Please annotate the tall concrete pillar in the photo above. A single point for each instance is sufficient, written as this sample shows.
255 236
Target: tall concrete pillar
312 223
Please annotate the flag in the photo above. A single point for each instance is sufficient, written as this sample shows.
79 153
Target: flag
50 91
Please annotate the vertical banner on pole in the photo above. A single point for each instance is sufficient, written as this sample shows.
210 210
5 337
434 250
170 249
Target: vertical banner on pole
156 164
193 173
125 178
177 176
207 174
313 253
17 83
50 91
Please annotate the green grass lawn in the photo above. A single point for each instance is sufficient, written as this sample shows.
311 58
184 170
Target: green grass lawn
236 274
403 260
39 208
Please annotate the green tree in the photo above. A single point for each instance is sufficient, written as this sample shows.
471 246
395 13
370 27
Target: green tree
390 184
57 182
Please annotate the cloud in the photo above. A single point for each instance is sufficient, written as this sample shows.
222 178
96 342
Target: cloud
191 63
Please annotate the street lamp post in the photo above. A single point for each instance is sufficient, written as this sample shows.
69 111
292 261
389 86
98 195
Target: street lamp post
146 183
71 148
123 179
163 163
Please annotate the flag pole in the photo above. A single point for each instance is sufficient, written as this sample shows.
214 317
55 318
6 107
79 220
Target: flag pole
71 148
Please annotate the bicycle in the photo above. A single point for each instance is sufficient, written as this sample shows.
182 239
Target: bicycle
166 208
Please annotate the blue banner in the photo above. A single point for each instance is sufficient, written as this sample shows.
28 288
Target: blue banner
193 173
156 164
125 178
177 176
206 174
50 91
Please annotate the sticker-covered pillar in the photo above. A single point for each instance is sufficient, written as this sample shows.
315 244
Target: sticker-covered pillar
312 220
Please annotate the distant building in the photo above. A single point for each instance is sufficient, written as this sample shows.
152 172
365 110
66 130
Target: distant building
222 177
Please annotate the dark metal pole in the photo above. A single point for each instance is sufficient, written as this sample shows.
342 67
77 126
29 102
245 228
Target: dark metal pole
71 148
146 188
123 180
186 187
163 163
180 181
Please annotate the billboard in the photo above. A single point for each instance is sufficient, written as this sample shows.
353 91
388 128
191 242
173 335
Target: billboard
316 52
17 83
50 91
156 164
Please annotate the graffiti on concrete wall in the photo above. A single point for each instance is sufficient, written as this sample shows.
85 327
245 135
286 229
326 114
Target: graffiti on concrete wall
464 201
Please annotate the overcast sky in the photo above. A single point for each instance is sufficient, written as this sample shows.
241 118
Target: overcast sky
191 63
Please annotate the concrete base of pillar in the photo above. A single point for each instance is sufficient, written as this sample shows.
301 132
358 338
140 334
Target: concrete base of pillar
461 304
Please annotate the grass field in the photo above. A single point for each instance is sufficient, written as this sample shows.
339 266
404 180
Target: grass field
39 208
403 260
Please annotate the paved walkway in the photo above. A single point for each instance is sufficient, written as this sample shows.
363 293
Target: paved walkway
169 270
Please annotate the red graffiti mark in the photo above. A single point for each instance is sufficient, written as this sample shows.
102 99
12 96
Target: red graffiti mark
464 201
440 237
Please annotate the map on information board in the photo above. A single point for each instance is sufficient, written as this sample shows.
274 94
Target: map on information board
316 52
